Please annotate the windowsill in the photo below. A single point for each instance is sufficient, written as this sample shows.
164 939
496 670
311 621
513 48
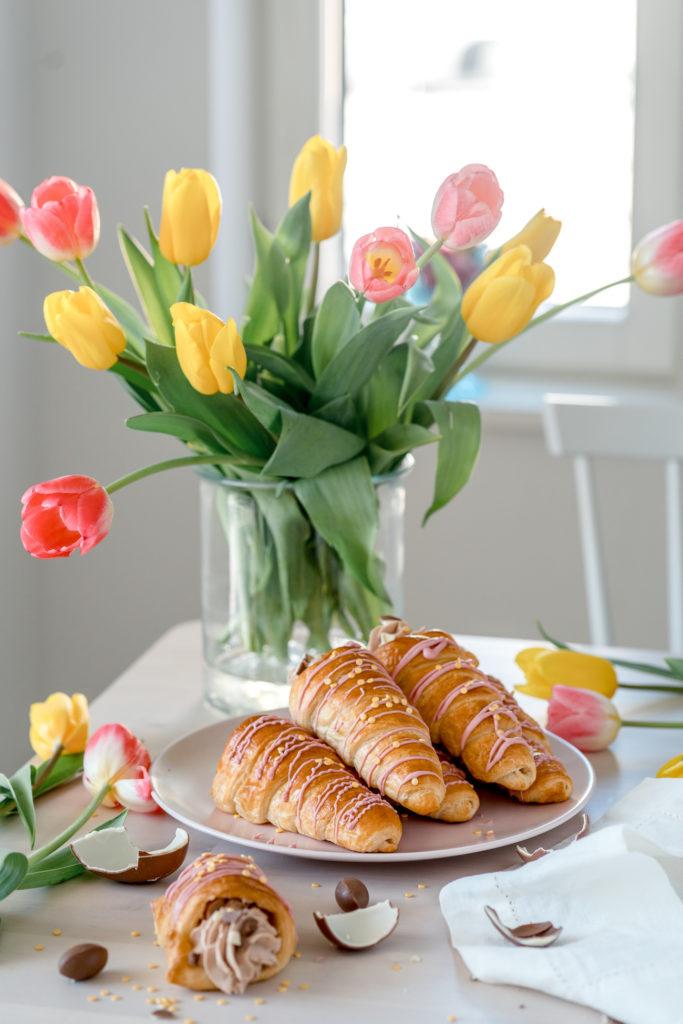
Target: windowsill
510 403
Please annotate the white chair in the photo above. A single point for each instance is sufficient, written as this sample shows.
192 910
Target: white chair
588 426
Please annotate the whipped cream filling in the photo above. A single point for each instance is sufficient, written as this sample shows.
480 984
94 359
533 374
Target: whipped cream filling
233 945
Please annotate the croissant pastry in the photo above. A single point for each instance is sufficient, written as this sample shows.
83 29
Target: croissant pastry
222 926
461 802
461 705
273 770
348 699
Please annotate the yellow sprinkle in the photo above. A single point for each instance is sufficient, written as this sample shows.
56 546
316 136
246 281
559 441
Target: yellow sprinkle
395 744
278 829
56 931
452 1018
222 1002
477 831
188 1020
39 947
315 885
414 782
152 967
235 814
246 873
199 998
152 988
136 988
304 986
396 967
415 959
135 935
157 944
421 885
249 1016
105 991
371 719
93 999
115 998
298 955
363 716
125 979
259 1002
409 895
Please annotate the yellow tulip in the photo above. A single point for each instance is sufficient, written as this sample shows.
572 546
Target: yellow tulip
502 300
545 669
319 169
59 721
672 769
82 323
190 216
207 349
539 234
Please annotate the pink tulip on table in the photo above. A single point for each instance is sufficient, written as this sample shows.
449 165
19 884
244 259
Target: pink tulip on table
467 207
61 515
115 757
383 264
657 261
63 221
583 717
10 213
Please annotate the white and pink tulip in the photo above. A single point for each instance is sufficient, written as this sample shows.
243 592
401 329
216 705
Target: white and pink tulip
114 757
583 717
657 261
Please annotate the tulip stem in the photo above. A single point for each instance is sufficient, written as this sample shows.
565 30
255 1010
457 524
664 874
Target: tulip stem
313 287
658 687
460 361
653 725
84 273
63 837
428 253
189 460
47 766
555 311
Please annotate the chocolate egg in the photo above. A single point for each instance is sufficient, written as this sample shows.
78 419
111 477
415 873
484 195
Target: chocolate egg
83 961
351 894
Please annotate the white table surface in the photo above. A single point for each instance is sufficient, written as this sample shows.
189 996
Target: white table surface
413 976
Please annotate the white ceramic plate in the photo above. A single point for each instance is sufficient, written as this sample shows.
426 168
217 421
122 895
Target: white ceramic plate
183 773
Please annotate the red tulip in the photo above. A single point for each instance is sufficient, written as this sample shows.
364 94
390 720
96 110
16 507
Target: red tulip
10 213
63 221
61 515
467 207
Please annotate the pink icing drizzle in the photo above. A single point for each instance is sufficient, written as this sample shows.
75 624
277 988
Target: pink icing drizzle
207 868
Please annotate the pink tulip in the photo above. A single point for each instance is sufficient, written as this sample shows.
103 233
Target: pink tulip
10 213
583 717
383 265
63 221
657 261
61 515
467 207
114 757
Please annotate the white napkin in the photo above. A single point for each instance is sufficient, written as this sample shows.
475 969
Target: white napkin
616 894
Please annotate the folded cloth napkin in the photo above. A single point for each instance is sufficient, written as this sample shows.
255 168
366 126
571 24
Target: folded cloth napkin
617 896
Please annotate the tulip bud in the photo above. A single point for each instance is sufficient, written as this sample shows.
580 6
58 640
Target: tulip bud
82 323
539 235
657 261
59 721
10 213
672 769
383 264
502 300
586 719
63 220
319 169
544 669
467 207
61 515
190 216
207 349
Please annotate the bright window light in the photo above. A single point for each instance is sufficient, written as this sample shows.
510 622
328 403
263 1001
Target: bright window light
541 92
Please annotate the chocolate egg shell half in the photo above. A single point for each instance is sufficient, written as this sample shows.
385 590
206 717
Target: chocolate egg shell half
359 929
111 854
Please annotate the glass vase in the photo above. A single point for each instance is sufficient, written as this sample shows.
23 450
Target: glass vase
273 589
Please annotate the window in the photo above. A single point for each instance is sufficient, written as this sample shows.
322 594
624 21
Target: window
575 105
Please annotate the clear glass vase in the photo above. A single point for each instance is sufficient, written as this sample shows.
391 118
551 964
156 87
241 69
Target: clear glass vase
272 588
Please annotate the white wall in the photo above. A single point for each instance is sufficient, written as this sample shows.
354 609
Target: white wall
114 94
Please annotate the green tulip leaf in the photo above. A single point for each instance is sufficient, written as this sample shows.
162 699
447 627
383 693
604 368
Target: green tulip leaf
141 270
443 352
135 329
341 411
13 868
280 366
389 447
225 415
342 505
265 406
63 864
444 306
379 398
419 367
18 787
37 337
287 261
67 767
308 445
166 274
186 428
459 425
336 322
355 364
261 317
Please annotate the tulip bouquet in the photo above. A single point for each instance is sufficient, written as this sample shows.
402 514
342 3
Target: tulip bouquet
317 396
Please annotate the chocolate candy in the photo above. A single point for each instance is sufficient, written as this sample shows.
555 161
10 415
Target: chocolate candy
351 894
83 961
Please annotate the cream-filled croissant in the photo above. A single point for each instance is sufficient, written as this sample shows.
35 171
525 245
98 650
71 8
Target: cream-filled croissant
347 698
222 926
273 770
461 704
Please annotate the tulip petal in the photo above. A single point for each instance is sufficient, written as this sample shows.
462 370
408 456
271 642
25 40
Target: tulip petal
135 793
